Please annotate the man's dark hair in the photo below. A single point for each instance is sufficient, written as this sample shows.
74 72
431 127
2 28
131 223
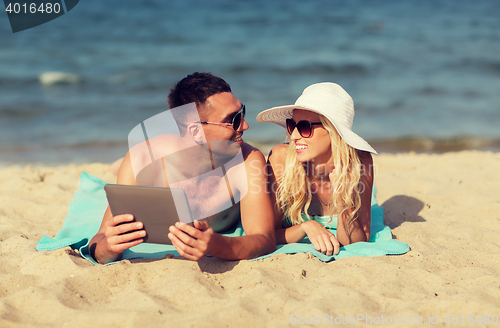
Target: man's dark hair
196 87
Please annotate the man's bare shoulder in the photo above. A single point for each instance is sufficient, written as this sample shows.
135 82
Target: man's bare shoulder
125 174
139 156
169 138
165 144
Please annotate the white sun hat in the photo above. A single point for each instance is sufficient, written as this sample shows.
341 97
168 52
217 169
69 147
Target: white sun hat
327 99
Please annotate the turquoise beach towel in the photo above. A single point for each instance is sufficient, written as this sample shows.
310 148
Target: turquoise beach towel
89 204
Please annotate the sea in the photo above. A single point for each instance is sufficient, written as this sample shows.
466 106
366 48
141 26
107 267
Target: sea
424 74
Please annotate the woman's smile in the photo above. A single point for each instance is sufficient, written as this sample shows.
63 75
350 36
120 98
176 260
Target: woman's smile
299 148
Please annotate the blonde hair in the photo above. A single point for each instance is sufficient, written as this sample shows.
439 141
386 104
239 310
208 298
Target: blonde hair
294 195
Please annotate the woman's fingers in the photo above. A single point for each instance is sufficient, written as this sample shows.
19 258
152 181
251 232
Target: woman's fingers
336 245
328 244
323 240
332 246
319 244
316 244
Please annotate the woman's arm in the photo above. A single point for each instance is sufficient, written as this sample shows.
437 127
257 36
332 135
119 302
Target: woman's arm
323 240
290 235
360 229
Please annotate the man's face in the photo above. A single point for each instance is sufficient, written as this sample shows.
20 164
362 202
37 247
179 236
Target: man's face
221 108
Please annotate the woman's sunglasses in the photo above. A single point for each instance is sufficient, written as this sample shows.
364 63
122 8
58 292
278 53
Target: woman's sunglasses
305 128
236 122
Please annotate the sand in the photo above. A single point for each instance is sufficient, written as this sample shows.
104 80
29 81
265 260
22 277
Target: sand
446 207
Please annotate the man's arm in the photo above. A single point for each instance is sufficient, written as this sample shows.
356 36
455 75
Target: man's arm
256 216
275 169
114 235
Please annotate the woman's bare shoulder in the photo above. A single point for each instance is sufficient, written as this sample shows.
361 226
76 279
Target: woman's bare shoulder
277 155
366 161
365 157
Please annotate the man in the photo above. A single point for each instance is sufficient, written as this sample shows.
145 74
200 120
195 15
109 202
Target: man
218 124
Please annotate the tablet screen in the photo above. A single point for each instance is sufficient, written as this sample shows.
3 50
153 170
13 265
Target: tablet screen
156 208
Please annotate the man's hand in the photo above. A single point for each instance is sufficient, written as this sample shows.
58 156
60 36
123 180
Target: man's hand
322 239
193 243
117 234
120 235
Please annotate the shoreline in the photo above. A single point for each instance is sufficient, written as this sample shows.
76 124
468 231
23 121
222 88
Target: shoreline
443 205
108 152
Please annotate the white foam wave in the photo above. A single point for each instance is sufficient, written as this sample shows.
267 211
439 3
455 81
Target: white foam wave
51 78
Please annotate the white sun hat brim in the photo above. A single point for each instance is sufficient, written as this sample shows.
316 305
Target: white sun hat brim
327 99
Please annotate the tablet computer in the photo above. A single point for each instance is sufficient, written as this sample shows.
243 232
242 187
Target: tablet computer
156 208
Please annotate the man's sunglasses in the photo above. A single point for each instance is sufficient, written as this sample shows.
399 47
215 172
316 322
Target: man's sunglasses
236 122
305 128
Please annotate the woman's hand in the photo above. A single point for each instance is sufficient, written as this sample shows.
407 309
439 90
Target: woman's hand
323 240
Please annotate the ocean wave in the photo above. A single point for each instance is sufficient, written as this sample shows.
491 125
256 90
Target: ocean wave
430 91
354 69
52 78
109 151
23 112
435 145
9 82
243 68
413 143
13 148
345 69
487 66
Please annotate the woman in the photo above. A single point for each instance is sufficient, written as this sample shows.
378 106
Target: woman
321 181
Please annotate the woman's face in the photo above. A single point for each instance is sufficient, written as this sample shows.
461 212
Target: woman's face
315 149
